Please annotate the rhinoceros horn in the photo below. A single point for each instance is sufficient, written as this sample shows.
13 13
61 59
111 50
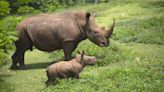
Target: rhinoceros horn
110 30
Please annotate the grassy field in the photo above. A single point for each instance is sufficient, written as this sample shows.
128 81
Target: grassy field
132 63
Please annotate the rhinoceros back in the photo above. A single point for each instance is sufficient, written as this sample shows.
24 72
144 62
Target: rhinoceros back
48 32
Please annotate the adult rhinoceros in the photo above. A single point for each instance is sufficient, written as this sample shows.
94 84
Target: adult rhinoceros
51 32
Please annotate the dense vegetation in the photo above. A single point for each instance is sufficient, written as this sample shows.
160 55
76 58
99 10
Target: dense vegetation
132 62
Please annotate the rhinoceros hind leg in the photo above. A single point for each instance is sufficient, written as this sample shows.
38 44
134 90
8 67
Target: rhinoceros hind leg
22 44
51 81
14 67
14 61
18 56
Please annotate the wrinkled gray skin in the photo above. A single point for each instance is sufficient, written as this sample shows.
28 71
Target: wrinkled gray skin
68 69
51 32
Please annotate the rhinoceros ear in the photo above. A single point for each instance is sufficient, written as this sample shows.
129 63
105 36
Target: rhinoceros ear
103 28
82 54
78 52
88 15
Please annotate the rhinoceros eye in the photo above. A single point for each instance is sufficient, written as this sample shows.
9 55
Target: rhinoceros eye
96 34
106 36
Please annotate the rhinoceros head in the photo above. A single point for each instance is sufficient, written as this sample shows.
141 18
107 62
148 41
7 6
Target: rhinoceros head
85 59
98 35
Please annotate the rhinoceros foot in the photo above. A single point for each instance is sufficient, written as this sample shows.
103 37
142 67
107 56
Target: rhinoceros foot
14 67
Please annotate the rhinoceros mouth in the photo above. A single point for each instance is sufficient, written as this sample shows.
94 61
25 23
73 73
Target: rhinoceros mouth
91 64
103 44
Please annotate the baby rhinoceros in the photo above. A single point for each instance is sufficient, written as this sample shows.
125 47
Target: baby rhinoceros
72 68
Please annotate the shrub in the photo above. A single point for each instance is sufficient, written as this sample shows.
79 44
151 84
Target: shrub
26 10
4 8
7 36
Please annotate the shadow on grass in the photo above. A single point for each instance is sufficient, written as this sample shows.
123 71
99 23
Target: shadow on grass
39 65
42 64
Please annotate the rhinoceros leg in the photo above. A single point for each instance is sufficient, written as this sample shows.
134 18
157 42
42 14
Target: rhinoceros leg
15 61
18 57
22 44
77 76
68 48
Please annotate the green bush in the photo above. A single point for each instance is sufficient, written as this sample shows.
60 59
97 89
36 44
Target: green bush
26 6
26 10
3 43
52 5
4 8
16 4
7 36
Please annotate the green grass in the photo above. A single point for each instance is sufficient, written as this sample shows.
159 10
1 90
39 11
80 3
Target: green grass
138 71
132 63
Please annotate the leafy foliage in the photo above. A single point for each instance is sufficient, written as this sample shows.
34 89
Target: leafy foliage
4 8
24 6
7 36
26 10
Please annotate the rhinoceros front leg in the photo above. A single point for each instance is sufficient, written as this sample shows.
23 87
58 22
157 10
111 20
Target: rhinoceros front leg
68 48
77 76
